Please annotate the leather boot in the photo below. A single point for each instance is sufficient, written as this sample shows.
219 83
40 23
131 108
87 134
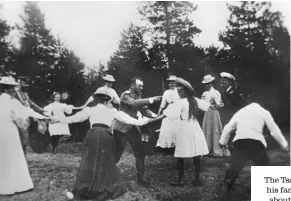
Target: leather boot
196 181
180 167
140 168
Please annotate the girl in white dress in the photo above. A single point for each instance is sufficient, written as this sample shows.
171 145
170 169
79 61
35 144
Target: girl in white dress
14 173
58 110
190 139
211 126
167 136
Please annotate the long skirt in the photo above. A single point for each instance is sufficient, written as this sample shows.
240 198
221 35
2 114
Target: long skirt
98 177
212 129
14 173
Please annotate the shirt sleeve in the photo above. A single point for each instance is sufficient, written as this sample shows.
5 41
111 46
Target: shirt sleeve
203 95
78 117
125 118
274 129
48 110
25 112
116 98
228 128
216 97
134 103
68 108
164 101
202 104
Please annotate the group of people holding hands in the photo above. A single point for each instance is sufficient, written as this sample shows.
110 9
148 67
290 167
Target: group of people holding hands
110 130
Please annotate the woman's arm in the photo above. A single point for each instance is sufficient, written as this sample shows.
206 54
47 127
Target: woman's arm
217 99
157 118
125 118
78 117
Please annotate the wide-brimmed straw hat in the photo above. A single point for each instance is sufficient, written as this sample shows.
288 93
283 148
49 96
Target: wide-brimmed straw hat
103 94
227 75
109 78
172 78
8 81
207 79
185 84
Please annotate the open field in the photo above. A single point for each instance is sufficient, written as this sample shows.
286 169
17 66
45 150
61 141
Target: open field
53 175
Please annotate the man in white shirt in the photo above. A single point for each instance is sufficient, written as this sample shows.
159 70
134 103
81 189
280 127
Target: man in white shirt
109 80
249 142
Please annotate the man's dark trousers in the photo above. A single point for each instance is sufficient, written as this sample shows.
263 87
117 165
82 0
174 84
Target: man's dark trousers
243 150
133 137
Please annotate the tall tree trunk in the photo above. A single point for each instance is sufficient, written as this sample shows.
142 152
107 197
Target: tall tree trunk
168 36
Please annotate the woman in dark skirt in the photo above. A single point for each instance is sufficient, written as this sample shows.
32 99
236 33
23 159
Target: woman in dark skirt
98 177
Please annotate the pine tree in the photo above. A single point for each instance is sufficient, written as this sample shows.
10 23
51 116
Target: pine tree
6 48
170 26
132 59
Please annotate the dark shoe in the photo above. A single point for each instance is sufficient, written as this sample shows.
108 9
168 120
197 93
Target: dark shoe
179 182
141 180
197 182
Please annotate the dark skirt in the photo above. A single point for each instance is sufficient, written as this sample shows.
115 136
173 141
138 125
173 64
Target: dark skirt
98 177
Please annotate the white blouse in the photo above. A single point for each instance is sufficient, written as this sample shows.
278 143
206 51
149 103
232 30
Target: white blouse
180 109
16 109
57 109
249 123
101 114
169 96
212 96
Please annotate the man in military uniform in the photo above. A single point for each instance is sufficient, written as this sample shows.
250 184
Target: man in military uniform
233 101
131 103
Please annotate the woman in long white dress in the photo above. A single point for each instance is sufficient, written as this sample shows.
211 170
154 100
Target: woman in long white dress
14 173
58 110
167 136
190 139
211 126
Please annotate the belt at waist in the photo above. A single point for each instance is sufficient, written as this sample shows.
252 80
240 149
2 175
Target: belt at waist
100 125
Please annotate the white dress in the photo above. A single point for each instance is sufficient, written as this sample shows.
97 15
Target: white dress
167 136
190 139
58 110
14 173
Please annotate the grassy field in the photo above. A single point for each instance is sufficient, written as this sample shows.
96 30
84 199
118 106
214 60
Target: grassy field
53 175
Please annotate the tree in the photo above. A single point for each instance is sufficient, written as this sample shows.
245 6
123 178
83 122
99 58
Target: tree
249 39
257 50
38 54
169 26
51 66
131 59
6 48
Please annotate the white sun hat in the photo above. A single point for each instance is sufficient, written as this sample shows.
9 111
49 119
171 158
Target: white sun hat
228 75
8 81
207 79
109 78
172 78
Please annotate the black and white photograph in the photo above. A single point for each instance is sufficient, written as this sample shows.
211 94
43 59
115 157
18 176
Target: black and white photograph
143 100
